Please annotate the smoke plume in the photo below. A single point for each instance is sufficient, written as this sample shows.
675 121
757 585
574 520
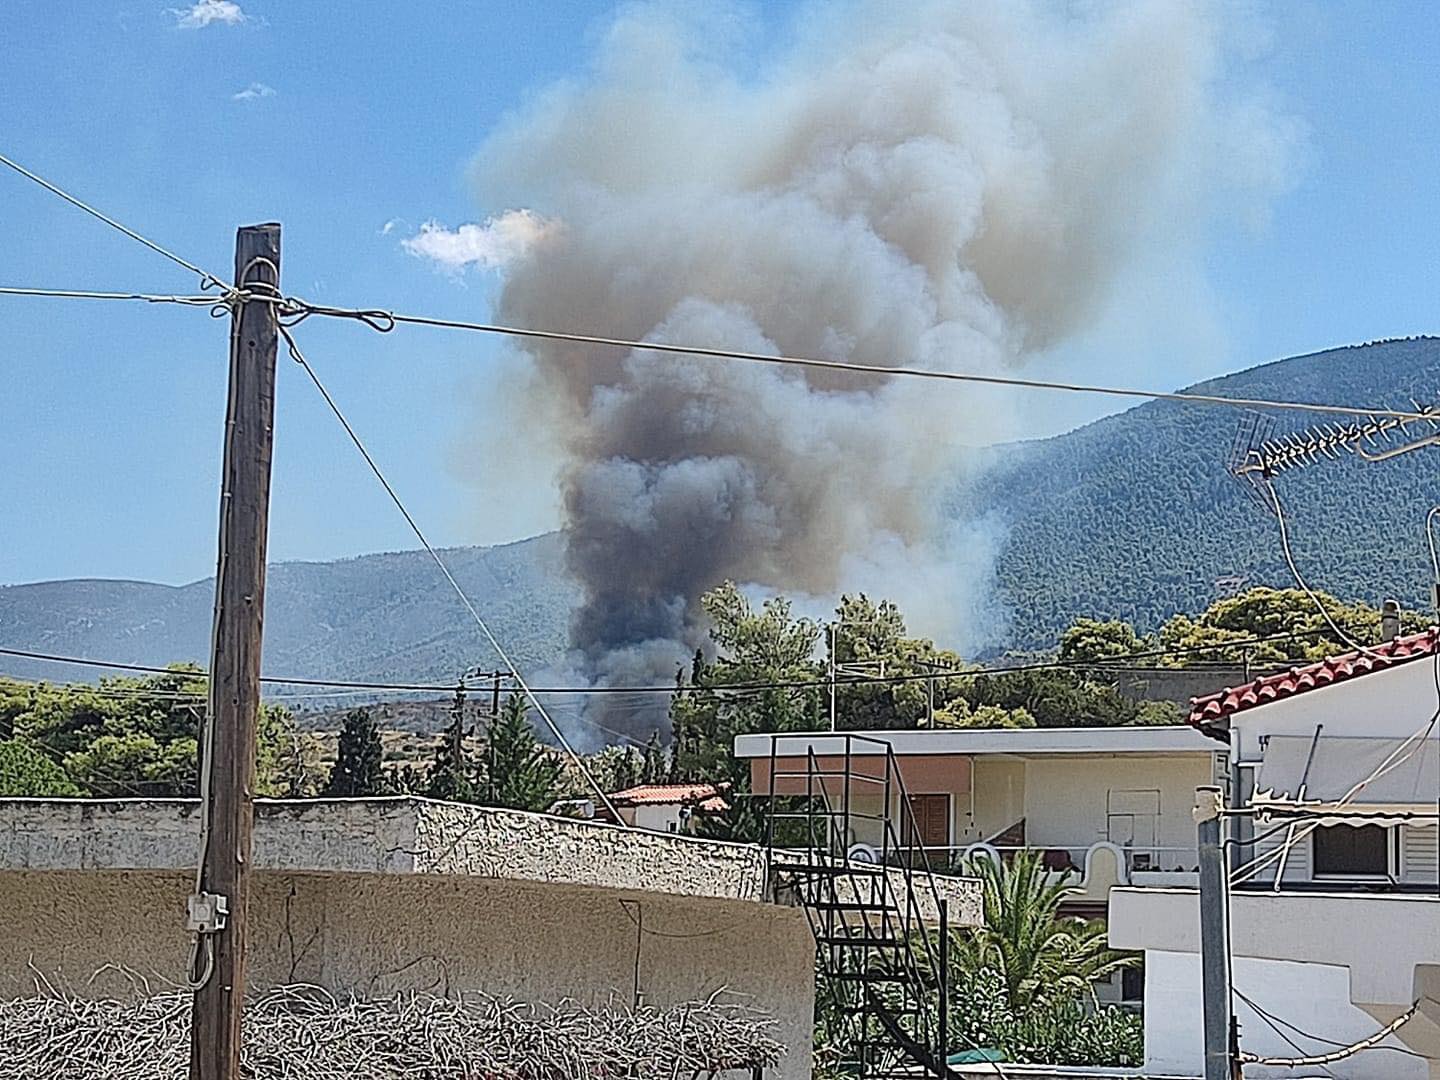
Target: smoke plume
942 185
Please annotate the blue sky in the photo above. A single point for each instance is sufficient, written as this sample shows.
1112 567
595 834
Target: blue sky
337 124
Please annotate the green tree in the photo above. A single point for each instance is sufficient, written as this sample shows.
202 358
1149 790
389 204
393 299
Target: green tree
614 768
1087 640
1053 697
450 773
769 645
869 638
25 772
1263 612
359 759
654 765
517 771
958 714
130 736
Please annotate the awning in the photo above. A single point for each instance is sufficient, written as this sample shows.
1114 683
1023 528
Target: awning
1328 767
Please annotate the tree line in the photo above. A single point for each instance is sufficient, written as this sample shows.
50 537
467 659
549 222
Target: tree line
764 669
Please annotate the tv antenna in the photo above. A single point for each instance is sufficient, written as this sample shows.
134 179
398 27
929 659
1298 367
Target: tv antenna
1256 457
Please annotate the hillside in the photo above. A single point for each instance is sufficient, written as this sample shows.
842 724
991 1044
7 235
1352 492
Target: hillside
382 617
1133 516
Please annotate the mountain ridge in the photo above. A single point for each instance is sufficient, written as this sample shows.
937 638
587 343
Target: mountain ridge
1129 516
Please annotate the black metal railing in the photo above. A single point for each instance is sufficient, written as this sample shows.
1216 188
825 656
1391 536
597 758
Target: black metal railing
869 918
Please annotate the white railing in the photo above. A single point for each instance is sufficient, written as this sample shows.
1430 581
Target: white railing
1150 861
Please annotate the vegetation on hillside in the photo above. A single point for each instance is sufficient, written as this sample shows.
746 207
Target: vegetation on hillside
1135 517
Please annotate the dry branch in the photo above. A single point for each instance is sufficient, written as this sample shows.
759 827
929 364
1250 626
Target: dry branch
303 1033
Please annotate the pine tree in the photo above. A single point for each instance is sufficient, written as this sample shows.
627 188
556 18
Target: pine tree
655 764
518 772
358 762
449 775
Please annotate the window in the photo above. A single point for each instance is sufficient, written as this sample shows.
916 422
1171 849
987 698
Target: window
1351 851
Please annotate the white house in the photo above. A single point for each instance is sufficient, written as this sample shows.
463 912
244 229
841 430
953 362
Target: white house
1335 925
668 808
1111 804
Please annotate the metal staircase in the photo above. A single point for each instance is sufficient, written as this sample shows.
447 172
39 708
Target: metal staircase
867 906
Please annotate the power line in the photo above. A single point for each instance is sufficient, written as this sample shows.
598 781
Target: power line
384 321
299 358
295 310
1273 1020
1348 1050
1108 665
207 279
201 300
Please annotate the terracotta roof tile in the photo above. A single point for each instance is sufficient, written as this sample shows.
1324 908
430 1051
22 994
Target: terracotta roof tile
1333 669
653 794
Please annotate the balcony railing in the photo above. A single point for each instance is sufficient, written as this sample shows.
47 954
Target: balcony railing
1133 865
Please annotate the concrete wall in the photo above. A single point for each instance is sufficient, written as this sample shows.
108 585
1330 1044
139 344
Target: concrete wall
1314 997
1395 703
374 934
999 799
1065 801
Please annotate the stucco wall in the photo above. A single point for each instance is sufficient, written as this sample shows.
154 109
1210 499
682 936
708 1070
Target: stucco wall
1395 703
1314 997
1067 799
373 933
999 799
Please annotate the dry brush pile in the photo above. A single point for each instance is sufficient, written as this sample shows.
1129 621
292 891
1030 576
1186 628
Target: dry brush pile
304 1033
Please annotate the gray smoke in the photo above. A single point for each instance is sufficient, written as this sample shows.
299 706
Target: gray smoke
942 185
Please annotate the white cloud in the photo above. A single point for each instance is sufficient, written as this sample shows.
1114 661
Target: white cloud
489 246
205 12
253 92
391 225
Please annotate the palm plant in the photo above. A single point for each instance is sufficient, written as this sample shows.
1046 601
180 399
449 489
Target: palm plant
1040 956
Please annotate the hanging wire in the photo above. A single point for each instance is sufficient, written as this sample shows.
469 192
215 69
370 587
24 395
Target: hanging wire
207 279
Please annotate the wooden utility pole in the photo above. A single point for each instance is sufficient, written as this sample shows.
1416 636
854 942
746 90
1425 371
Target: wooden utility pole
218 911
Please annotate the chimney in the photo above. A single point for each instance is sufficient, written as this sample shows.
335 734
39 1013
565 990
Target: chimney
1389 620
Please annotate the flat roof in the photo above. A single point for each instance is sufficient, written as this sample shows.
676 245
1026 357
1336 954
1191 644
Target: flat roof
1167 739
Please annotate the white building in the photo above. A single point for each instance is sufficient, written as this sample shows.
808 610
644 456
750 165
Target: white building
1335 926
1111 804
670 808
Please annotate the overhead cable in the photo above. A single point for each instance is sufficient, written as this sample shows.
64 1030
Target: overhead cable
1349 1050
1112 665
1272 1020
207 279
384 320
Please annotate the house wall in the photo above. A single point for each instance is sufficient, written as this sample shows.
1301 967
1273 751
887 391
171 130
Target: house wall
1394 703
664 817
1066 800
999 799
1314 997
373 934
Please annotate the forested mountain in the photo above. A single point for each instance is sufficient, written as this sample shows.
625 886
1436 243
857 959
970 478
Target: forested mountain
1135 516
1132 517
380 617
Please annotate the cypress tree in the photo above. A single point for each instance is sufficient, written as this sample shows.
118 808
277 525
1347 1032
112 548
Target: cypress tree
358 762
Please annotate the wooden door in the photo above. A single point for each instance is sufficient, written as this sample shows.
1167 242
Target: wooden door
932 823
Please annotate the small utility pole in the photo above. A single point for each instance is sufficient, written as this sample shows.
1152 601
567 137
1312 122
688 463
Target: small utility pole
218 911
1220 1062
832 673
